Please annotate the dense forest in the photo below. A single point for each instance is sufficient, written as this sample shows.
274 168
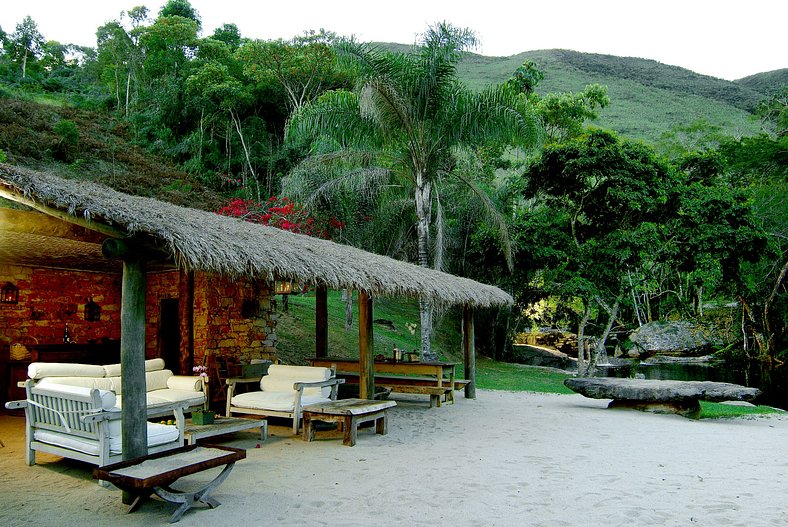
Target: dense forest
511 175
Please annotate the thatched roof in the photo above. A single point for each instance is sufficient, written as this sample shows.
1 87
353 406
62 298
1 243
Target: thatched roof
199 240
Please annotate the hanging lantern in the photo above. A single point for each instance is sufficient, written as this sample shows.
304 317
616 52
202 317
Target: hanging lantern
282 287
9 294
92 311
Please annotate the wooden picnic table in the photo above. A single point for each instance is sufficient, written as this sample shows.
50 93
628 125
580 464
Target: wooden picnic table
155 473
437 379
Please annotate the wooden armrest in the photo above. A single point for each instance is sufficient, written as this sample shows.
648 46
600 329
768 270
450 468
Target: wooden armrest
234 380
101 415
16 405
317 384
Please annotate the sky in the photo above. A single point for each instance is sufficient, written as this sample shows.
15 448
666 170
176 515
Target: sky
722 38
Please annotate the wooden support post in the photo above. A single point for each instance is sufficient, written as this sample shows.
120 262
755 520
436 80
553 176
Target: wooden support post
132 360
366 347
469 348
321 321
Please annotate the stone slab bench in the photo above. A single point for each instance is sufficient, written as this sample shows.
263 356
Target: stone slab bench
660 396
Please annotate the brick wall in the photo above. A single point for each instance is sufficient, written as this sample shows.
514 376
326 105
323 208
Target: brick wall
223 326
49 298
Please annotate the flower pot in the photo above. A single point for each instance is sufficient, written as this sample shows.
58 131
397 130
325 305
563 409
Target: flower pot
203 417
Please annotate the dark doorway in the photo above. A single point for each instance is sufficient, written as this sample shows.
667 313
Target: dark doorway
170 334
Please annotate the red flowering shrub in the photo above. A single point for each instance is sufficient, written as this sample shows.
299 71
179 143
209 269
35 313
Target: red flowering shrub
284 214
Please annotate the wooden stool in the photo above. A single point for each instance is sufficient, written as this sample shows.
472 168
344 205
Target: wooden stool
348 414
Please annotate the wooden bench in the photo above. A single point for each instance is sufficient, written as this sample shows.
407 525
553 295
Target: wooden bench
348 414
417 385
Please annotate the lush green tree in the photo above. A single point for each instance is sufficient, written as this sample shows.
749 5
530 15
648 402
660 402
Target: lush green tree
183 9
229 34
404 125
304 66
26 43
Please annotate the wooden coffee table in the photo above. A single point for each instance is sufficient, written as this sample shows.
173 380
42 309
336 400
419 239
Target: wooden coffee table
348 414
146 475
223 425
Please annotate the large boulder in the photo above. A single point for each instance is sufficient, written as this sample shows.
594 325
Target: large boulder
679 339
539 356
660 396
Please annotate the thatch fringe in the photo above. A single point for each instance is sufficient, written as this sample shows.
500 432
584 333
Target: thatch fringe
199 240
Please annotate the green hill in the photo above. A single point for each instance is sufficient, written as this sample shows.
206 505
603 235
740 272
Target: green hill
647 98
767 83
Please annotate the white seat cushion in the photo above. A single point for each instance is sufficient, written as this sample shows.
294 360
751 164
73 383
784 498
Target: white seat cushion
158 434
281 378
275 401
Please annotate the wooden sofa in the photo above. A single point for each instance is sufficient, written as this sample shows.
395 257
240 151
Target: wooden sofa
284 391
85 424
163 387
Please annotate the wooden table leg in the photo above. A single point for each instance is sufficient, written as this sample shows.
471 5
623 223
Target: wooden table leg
380 424
351 430
188 499
309 427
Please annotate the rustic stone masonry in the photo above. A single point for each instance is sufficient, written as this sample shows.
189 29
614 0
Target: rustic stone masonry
49 298
232 318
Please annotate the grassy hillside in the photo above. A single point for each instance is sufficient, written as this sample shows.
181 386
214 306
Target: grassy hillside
766 83
647 98
99 148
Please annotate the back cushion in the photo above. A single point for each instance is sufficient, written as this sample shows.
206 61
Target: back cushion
157 380
107 398
280 378
154 365
39 370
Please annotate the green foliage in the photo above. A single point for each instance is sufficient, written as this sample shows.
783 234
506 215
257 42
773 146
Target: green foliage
647 98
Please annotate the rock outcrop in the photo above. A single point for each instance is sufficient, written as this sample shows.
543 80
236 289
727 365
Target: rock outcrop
660 396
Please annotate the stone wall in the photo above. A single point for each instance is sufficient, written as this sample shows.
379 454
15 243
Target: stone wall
232 319
48 299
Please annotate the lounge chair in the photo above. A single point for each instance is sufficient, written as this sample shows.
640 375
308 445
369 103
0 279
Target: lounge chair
284 391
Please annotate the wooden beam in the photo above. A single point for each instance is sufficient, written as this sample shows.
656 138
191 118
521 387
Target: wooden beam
366 347
30 222
469 348
321 321
62 215
132 360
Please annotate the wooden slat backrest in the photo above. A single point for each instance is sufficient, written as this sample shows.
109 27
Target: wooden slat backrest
48 409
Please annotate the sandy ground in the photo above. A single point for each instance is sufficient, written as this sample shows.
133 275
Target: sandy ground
503 459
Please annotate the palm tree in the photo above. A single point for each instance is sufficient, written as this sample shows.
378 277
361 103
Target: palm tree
405 124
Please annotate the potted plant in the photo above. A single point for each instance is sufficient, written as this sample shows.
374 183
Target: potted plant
203 416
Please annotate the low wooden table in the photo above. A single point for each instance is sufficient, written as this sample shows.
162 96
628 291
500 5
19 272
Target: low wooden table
348 414
146 475
223 425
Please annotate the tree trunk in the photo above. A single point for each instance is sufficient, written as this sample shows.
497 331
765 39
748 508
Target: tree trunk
600 348
347 298
581 345
237 124
423 213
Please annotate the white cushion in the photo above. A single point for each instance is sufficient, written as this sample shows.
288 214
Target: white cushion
276 401
39 370
111 370
108 398
154 364
158 434
281 377
167 396
99 383
184 382
157 380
